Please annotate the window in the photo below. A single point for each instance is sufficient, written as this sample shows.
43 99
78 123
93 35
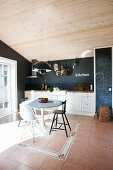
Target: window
5 91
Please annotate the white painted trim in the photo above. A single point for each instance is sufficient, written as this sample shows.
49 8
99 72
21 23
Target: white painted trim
94 81
81 113
103 47
13 64
95 73
112 79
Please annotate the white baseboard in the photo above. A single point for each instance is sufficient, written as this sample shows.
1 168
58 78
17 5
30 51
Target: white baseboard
82 113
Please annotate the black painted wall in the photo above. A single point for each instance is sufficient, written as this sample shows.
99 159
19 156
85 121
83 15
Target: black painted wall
86 65
103 77
23 68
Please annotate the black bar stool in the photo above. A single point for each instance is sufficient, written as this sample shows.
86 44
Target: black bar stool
64 118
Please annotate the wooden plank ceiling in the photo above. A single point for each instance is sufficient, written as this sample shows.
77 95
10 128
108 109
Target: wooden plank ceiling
56 29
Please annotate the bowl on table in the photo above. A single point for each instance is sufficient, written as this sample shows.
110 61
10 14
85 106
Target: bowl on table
43 100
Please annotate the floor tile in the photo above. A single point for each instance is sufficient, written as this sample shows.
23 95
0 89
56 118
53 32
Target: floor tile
52 164
80 148
20 155
97 141
76 159
23 167
6 153
108 144
71 166
34 160
99 135
110 164
39 141
57 143
83 127
109 154
96 164
82 139
97 151
84 132
7 164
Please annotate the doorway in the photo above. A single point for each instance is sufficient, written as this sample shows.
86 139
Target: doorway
8 86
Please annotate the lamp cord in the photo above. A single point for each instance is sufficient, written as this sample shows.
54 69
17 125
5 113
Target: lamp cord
41 40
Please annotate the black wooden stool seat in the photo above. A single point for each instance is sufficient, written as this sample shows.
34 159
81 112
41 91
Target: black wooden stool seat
55 122
58 112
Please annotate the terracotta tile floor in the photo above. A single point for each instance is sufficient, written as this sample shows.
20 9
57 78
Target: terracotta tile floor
91 150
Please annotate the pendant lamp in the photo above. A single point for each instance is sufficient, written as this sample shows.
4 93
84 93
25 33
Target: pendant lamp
41 66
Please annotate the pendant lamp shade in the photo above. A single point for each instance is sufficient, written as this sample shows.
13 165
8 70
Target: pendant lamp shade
42 66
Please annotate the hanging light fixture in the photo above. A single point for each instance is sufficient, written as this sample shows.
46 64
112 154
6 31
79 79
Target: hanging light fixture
41 66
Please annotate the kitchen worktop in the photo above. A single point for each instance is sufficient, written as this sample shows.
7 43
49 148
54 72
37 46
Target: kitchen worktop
73 91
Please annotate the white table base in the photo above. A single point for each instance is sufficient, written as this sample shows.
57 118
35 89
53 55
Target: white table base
44 127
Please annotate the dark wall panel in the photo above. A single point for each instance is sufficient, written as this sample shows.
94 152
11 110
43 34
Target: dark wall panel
23 68
103 77
85 66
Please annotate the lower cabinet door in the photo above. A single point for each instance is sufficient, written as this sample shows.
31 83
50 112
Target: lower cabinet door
73 102
87 104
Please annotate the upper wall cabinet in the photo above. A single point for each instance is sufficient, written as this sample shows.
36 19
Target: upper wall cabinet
103 64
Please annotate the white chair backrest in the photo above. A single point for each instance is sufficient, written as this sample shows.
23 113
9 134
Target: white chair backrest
26 112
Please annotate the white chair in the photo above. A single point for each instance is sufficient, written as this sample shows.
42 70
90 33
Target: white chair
28 115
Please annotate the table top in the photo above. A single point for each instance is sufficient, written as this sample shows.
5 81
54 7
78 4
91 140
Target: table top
49 104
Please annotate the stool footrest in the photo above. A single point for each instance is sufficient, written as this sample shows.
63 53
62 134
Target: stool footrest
62 123
57 128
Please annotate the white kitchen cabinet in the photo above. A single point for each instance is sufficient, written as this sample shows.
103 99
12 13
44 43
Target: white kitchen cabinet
73 102
87 101
77 103
80 103
28 94
35 94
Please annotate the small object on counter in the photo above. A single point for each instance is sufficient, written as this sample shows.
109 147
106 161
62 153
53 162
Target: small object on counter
43 100
81 87
91 87
56 89
45 86
50 89
42 87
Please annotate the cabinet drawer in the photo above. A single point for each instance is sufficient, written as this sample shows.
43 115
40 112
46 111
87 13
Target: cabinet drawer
88 99
87 107
28 94
88 95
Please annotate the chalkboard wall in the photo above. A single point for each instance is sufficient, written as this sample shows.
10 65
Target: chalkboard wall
103 77
85 66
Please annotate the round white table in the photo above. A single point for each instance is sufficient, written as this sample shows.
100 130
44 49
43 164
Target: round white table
38 105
